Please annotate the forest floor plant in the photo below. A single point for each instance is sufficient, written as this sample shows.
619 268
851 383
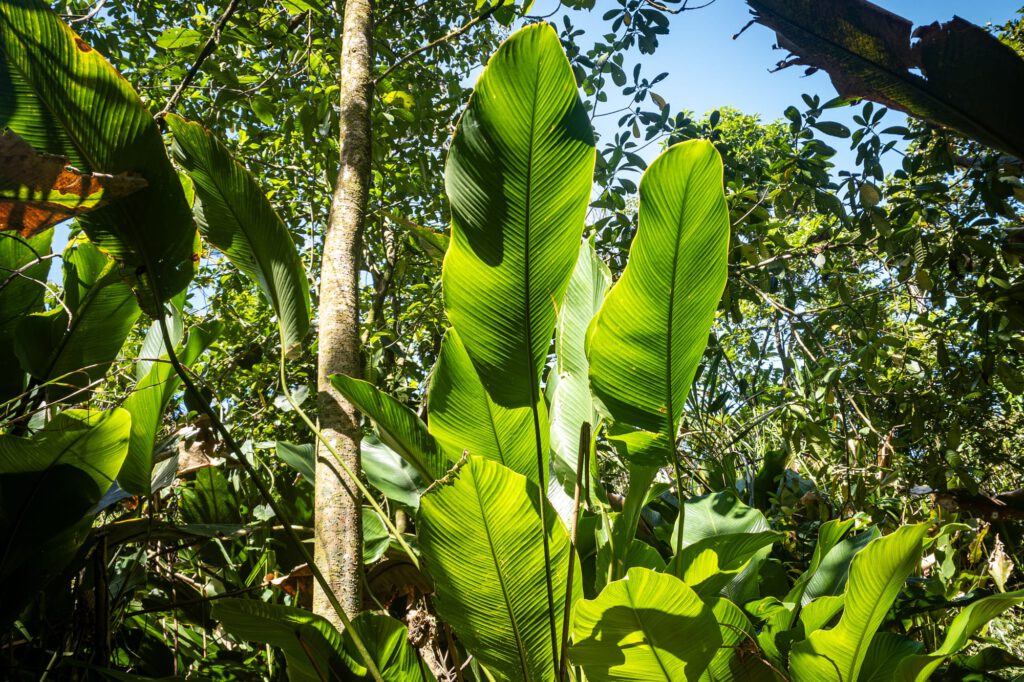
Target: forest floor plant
537 572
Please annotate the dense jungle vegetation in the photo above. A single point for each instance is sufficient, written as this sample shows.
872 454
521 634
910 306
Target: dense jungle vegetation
413 340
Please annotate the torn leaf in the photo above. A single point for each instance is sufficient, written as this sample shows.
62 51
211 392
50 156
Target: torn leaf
37 191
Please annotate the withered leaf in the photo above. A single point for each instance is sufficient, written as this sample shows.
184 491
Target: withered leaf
37 190
953 74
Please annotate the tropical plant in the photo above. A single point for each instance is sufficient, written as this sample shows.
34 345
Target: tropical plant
578 495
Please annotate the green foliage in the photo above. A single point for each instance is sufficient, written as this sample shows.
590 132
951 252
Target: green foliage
966 625
399 426
49 485
480 531
313 649
66 99
235 217
647 626
518 186
568 388
876 576
70 348
19 297
642 365
464 418
147 404
742 514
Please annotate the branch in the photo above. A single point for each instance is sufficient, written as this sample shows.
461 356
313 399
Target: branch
679 10
445 38
211 44
93 12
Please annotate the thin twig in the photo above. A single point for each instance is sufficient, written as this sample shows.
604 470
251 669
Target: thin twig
678 10
211 44
434 43
92 13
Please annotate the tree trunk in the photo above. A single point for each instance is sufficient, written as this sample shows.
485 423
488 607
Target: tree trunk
338 521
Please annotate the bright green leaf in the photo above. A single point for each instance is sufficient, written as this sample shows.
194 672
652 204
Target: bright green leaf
481 537
877 575
646 342
647 626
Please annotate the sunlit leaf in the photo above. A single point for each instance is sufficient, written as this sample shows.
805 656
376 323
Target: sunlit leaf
480 534
647 626
645 343
236 217
37 191
50 76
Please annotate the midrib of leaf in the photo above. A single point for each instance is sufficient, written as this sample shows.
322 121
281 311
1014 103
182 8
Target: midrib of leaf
899 76
489 404
216 178
520 647
862 640
309 654
647 637
669 417
534 398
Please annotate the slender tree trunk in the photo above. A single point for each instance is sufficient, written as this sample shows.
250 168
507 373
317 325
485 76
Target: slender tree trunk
338 521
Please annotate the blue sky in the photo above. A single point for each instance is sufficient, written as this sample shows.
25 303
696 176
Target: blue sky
708 69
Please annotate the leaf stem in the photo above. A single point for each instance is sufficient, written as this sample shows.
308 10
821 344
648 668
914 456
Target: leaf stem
582 469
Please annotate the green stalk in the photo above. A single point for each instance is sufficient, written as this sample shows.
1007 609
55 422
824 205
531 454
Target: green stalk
337 458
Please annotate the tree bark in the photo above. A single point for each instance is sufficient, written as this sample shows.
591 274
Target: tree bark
338 521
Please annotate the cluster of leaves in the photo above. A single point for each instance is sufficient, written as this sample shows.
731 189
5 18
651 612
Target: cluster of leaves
867 343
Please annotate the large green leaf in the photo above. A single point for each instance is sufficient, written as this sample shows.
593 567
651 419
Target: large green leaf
884 655
399 427
647 626
830 576
389 473
302 458
21 295
568 383
825 577
387 641
210 500
63 97
931 72
738 658
724 516
153 346
876 576
147 403
480 534
711 564
48 485
646 342
72 353
236 217
313 649
463 418
518 176
830 534
919 668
